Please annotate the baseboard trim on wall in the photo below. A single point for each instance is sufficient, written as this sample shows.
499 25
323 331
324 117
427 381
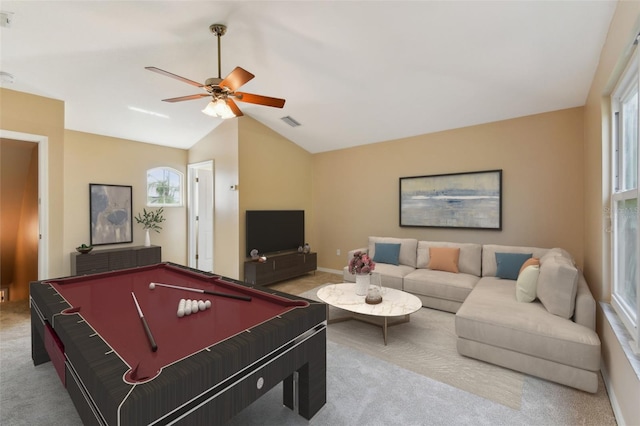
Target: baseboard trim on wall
331 271
617 412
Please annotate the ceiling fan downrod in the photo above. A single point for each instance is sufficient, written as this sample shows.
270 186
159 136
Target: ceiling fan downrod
218 30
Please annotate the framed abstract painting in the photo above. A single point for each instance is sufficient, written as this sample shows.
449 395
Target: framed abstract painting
111 218
471 200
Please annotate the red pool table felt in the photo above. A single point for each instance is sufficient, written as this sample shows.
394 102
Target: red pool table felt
105 302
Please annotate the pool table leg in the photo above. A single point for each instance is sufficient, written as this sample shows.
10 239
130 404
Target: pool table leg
39 353
308 392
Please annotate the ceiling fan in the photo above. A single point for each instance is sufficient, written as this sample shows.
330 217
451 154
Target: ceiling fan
222 91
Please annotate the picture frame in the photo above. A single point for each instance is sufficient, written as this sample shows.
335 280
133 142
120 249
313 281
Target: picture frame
469 200
110 214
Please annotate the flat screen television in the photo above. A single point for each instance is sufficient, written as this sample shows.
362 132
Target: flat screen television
273 231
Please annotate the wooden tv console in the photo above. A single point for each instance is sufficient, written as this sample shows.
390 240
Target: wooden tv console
279 267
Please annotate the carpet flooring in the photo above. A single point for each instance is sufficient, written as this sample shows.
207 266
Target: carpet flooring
426 345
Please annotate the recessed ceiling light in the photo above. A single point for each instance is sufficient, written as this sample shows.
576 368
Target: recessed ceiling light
145 111
290 121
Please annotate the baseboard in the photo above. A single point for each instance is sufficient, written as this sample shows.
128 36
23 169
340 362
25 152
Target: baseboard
331 271
617 413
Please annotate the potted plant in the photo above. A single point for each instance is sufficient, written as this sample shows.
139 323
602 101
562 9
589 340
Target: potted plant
361 265
150 220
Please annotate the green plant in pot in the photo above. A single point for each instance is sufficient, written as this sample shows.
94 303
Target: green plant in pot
150 220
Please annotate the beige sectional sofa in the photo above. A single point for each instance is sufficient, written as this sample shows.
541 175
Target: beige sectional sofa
552 337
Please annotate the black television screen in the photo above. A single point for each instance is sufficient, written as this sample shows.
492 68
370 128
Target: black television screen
272 231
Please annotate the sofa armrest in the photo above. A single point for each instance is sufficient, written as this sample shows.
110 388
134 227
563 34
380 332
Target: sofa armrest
585 310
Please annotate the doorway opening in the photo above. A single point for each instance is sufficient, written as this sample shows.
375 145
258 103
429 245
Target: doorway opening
200 206
32 229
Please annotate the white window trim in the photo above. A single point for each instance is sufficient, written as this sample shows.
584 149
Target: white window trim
180 201
622 89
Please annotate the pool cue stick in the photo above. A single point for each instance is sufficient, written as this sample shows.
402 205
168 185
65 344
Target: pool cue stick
152 341
197 290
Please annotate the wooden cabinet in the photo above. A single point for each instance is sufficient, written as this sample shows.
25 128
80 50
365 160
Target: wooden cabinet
113 259
279 268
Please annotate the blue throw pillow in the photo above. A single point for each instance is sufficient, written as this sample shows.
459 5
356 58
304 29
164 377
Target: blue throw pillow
387 253
509 264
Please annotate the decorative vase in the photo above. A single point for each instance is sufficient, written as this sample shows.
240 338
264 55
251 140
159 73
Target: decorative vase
147 238
374 292
362 284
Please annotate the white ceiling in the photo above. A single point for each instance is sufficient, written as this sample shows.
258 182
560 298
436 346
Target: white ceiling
352 72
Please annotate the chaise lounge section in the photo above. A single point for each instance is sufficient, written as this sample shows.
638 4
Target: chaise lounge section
543 326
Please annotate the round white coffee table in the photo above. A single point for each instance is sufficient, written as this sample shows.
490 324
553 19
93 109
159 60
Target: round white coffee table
395 308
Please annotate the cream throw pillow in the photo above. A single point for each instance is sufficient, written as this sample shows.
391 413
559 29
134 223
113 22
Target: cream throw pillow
527 283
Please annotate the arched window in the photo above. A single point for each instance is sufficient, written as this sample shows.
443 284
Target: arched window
164 187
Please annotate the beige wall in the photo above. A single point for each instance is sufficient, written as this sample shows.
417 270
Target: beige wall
25 113
221 146
270 172
275 174
624 385
356 190
90 158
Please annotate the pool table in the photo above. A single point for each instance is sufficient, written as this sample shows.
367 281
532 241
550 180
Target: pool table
208 365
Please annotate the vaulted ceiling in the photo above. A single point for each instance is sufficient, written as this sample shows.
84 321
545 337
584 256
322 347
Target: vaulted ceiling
352 72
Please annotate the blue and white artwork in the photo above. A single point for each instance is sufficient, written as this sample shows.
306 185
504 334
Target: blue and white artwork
111 217
461 200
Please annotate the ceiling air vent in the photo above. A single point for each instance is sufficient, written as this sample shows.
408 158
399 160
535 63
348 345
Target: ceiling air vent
290 121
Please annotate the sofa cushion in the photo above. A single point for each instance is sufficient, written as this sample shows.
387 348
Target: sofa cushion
509 264
439 284
408 249
557 285
387 253
527 283
444 259
469 260
492 315
489 265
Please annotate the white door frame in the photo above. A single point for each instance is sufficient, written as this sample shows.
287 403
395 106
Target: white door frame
192 210
43 194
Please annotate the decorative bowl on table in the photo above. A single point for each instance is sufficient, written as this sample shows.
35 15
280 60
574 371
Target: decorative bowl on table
84 249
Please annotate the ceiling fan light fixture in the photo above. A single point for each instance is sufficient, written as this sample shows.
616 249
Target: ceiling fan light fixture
222 90
219 108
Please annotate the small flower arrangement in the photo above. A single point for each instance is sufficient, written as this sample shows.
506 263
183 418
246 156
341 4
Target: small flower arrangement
150 219
361 263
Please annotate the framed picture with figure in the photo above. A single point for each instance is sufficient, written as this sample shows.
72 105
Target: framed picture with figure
111 219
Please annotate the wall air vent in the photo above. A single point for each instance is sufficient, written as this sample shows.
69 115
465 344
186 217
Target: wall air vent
290 121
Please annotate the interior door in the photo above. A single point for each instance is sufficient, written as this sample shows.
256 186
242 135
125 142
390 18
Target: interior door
201 218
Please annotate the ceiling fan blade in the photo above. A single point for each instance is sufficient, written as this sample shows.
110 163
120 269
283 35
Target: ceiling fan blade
177 77
186 98
259 99
236 78
234 108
